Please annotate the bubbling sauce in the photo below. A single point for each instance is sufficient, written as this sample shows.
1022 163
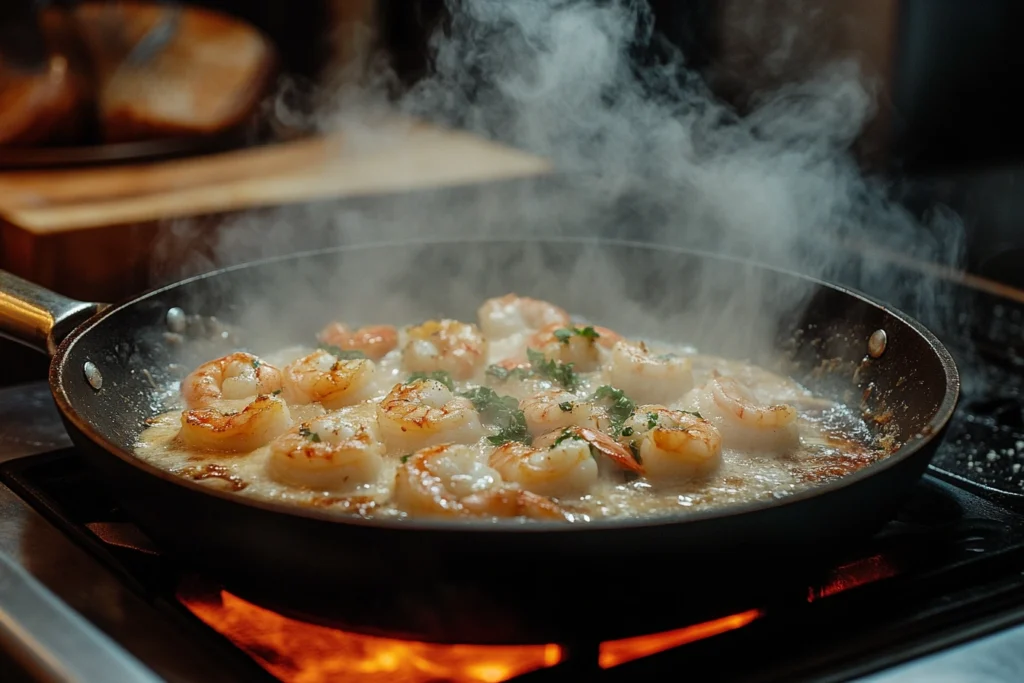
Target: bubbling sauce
527 415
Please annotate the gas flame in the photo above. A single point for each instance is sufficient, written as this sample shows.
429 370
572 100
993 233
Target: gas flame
615 652
853 574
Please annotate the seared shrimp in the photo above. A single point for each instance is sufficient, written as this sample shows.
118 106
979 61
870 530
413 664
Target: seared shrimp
322 377
647 378
237 375
579 346
563 469
744 420
374 341
507 315
425 412
449 345
556 409
600 442
334 452
672 444
448 480
245 430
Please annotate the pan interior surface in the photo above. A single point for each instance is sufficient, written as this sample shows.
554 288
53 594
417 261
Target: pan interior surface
816 333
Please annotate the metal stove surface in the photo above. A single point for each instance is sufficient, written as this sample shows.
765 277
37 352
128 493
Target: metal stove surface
946 570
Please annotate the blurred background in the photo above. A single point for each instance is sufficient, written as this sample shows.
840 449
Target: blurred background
122 120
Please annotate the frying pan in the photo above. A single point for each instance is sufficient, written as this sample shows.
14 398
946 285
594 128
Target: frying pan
496 582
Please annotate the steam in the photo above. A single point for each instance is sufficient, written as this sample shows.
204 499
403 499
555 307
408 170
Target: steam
643 151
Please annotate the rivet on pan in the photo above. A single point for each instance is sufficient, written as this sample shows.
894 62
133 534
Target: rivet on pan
176 320
92 375
876 343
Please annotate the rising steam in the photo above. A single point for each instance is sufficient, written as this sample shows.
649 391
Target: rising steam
643 150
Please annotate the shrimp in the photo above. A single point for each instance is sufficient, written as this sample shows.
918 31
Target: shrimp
375 341
447 480
255 425
673 445
745 422
237 375
556 409
507 315
563 469
647 378
600 442
579 346
448 345
425 412
335 452
322 377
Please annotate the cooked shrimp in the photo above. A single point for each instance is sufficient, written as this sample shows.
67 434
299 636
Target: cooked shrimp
556 409
602 443
673 445
375 341
648 378
337 452
563 469
511 314
253 426
425 412
322 377
744 420
579 346
237 375
449 345
448 480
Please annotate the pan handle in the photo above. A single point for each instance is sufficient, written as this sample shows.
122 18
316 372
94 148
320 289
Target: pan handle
38 317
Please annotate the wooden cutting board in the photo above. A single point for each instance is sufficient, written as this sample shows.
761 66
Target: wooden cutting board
87 232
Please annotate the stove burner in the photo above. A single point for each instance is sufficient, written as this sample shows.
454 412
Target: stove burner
941 541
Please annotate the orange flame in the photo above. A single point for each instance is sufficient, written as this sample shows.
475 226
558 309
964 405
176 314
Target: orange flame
847 576
615 652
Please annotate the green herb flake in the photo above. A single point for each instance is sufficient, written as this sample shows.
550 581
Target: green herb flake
628 431
566 434
342 354
309 434
405 458
564 334
566 407
441 376
553 370
694 413
652 420
256 364
636 452
275 392
501 411
620 407
503 374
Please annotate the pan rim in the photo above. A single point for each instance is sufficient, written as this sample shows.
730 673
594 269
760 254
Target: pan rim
912 445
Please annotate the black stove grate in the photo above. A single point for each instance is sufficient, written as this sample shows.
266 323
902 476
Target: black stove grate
947 555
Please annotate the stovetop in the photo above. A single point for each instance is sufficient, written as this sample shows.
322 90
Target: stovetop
947 570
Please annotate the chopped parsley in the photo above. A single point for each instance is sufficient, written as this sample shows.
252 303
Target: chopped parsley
275 392
311 435
694 413
504 374
405 458
565 435
553 370
256 364
620 407
564 334
652 420
566 407
501 411
628 431
342 354
441 376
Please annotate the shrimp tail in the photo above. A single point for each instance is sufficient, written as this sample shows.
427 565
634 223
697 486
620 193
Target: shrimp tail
612 449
